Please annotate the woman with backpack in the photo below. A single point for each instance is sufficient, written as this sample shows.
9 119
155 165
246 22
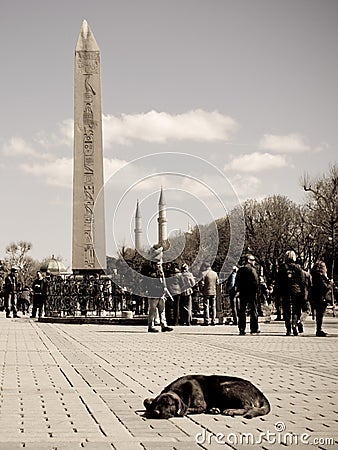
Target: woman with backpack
321 287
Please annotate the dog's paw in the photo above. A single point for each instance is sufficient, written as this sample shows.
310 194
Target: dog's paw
147 403
248 415
214 411
228 412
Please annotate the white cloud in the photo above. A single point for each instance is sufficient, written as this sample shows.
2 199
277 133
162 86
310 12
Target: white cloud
160 127
54 173
291 143
256 162
111 166
17 146
62 136
60 171
245 186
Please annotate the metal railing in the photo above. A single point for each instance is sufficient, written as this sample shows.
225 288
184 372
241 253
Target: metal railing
78 295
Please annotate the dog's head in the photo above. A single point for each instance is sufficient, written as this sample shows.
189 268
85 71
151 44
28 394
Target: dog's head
165 406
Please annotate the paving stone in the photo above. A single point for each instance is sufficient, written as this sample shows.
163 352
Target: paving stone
82 386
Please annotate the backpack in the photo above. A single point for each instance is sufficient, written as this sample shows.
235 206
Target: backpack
294 279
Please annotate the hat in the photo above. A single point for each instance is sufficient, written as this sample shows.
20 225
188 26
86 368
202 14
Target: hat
14 269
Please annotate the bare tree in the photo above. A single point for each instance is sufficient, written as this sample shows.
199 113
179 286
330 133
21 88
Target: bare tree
17 255
272 228
323 206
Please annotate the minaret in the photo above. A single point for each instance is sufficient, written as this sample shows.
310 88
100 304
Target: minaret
89 242
162 221
138 228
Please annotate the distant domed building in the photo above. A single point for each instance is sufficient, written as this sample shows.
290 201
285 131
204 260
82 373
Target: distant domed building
54 267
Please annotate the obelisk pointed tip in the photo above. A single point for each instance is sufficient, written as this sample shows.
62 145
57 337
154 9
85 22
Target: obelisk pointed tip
84 27
86 40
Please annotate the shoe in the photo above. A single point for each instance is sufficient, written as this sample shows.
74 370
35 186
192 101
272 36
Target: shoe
15 316
152 330
8 316
255 332
213 324
164 329
205 324
288 333
300 327
321 333
242 333
294 331
278 319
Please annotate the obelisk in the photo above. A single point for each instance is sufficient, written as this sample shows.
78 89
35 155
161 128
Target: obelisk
89 242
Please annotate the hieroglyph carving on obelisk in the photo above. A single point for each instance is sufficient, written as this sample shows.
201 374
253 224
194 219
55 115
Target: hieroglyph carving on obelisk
89 247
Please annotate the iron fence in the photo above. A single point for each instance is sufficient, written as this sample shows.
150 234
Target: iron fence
82 295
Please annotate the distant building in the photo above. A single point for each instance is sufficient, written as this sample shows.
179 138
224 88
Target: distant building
138 228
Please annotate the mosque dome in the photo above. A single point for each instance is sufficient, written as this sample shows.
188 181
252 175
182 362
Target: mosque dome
54 267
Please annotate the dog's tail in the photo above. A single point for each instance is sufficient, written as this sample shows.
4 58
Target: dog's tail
260 410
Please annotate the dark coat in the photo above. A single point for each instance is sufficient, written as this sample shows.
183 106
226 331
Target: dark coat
290 280
12 285
247 280
320 287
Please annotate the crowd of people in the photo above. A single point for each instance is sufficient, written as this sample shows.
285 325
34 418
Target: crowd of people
20 298
295 294
170 293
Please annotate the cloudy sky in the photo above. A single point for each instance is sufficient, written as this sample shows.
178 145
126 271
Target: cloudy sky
247 87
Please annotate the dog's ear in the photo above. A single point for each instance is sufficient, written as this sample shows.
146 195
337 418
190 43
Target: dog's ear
148 404
181 407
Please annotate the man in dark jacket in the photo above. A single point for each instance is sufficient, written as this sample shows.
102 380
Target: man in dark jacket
290 287
39 288
247 285
11 292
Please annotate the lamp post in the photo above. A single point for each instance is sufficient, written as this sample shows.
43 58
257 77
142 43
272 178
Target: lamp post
332 243
310 245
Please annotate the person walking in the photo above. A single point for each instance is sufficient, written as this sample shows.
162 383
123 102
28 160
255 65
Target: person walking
247 285
156 291
306 306
174 285
188 281
39 288
290 287
208 285
232 292
321 287
11 290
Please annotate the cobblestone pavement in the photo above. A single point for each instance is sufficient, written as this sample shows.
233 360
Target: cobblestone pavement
82 386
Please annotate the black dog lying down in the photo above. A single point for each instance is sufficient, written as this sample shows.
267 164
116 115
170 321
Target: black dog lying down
214 394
